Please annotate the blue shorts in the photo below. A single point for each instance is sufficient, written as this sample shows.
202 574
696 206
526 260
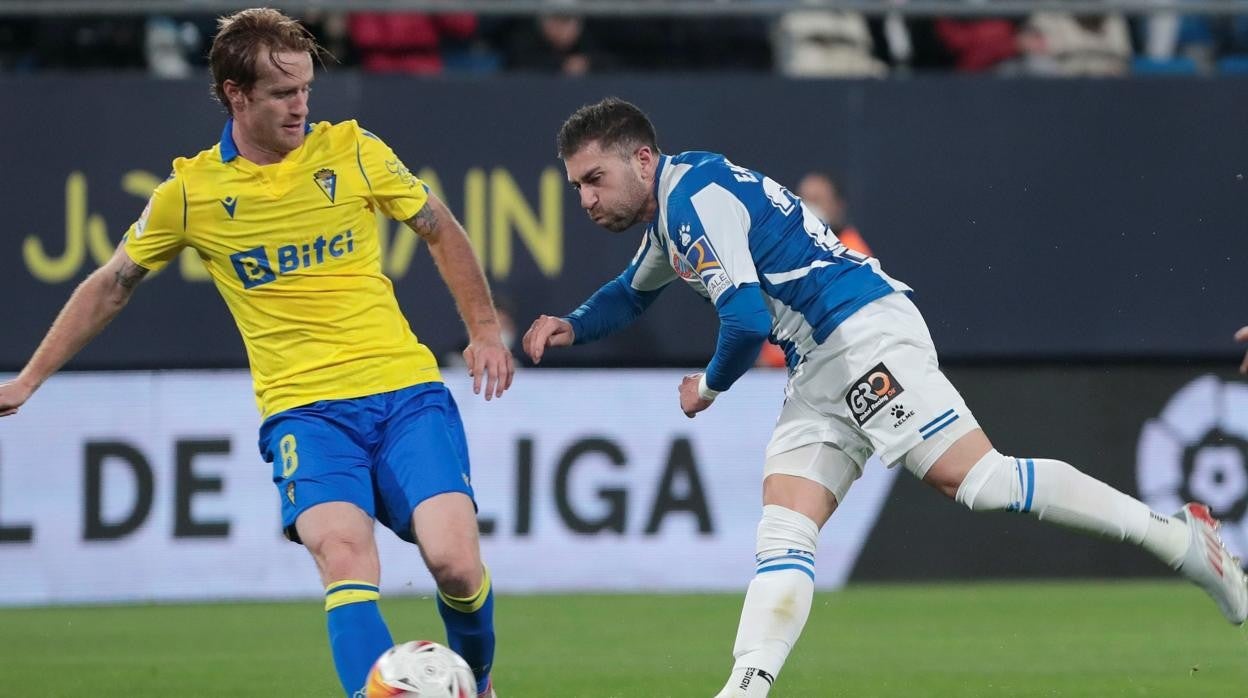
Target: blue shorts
384 453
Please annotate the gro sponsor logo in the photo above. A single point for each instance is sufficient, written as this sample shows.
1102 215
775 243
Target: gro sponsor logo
870 393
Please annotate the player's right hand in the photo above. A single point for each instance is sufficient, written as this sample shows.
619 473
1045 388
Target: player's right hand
1242 336
547 331
12 396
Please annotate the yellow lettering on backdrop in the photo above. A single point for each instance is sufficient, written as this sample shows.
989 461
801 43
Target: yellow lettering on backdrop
543 236
55 270
493 206
474 210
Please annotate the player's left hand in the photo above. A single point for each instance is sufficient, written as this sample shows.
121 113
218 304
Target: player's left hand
691 402
490 361
12 396
1242 336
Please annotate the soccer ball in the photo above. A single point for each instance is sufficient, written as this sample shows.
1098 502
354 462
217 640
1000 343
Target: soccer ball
420 669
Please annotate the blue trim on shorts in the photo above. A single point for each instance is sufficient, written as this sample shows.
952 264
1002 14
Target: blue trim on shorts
930 424
940 427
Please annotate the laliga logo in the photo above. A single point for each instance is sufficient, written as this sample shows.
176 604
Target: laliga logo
1197 449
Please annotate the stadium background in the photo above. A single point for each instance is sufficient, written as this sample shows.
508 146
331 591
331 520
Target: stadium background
1077 245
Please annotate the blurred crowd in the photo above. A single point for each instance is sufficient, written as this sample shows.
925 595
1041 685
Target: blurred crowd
812 42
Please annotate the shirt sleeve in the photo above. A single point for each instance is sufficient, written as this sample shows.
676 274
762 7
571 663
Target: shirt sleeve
160 232
711 230
624 298
392 187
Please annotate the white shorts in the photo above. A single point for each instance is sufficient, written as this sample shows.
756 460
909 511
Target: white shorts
873 386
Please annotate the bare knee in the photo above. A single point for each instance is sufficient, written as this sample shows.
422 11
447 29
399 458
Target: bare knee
458 572
950 469
341 557
445 527
806 497
340 538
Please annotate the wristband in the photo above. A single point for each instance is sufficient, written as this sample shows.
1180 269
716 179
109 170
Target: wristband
704 391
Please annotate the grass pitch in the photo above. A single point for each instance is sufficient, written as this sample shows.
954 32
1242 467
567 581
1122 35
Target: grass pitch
1087 639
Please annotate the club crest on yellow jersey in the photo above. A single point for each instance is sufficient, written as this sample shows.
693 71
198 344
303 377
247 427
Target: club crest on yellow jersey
327 181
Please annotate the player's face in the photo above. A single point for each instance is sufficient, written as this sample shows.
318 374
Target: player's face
273 113
614 184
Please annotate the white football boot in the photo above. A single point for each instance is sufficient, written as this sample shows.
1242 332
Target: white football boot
1209 564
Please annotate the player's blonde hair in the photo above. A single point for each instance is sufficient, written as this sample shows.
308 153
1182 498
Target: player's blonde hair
240 37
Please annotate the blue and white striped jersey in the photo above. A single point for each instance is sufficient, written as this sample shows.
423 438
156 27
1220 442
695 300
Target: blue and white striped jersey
748 245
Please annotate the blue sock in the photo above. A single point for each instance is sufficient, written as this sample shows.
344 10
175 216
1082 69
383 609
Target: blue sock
470 629
357 633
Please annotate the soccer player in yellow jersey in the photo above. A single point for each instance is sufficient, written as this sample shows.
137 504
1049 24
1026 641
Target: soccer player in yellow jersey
356 421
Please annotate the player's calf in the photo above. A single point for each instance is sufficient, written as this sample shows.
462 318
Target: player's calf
1054 491
777 602
469 622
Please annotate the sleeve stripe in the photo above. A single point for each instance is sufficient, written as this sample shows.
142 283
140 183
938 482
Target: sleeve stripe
359 161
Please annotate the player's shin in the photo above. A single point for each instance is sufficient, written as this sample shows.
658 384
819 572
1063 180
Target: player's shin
470 628
777 602
357 633
1055 491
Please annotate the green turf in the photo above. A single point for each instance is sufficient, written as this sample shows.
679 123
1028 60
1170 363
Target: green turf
1096 639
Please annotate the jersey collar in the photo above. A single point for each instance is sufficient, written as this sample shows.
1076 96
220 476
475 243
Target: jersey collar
229 151
658 174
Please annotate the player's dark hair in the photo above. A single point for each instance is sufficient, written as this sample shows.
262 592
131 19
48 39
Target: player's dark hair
240 37
613 123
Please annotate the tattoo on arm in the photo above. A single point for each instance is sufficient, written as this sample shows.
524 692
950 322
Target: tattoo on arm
425 223
130 275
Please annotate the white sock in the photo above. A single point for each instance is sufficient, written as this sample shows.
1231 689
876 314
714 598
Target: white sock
1055 491
777 602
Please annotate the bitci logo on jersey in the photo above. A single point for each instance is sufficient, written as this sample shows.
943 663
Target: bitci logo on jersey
870 393
254 267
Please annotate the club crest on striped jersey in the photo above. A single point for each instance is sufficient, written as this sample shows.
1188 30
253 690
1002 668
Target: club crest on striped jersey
870 393
327 180
703 262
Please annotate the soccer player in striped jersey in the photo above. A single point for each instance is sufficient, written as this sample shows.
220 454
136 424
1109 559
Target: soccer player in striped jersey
356 420
863 374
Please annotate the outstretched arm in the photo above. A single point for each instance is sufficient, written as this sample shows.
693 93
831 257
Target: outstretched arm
93 305
612 307
486 356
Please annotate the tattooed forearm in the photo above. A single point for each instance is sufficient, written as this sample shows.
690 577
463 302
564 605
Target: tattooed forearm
129 275
425 223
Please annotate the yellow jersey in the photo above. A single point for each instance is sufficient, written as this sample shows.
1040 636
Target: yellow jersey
293 249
